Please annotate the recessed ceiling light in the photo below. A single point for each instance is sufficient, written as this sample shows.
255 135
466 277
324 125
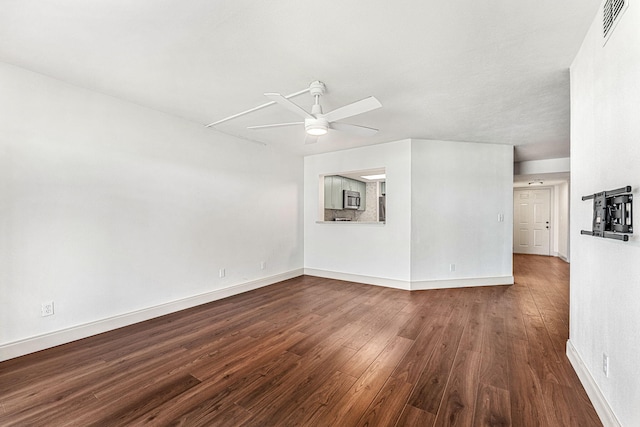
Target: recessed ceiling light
372 177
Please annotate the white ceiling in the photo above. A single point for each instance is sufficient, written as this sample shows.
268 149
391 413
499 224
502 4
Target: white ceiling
464 70
358 175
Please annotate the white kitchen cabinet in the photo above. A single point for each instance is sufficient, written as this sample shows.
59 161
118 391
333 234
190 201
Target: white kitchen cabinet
333 192
336 192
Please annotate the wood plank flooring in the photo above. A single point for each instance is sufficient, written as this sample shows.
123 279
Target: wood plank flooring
319 352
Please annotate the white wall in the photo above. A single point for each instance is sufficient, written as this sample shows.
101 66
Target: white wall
458 190
605 154
540 167
561 220
108 208
443 200
380 252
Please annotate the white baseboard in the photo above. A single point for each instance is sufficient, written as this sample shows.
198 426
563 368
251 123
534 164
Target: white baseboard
461 283
561 256
598 400
411 286
41 342
369 280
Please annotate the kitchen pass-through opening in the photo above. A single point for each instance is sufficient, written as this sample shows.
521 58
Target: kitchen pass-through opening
353 196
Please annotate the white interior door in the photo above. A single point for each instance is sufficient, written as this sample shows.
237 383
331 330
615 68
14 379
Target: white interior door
531 221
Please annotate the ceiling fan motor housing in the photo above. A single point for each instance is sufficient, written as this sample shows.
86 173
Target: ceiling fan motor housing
317 88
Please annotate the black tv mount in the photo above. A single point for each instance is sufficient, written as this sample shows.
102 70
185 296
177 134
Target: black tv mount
612 214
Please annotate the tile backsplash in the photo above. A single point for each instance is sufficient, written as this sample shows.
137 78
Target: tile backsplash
371 212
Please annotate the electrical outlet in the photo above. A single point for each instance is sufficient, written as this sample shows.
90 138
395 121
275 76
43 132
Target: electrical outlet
47 308
500 217
222 273
605 364
452 267
263 265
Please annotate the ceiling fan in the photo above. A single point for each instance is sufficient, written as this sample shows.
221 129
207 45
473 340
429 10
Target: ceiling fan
317 123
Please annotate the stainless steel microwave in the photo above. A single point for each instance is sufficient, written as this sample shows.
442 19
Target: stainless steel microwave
351 200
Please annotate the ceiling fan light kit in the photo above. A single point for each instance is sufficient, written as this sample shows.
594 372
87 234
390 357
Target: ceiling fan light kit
316 127
316 123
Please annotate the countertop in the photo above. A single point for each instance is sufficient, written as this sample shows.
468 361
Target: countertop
352 222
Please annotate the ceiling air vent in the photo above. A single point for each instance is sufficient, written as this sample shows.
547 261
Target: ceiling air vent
611 14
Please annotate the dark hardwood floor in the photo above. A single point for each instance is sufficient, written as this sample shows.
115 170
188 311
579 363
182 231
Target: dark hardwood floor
318 352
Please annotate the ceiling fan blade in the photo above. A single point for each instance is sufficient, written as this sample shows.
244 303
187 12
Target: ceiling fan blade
353 129
353 109
289 105
310 139
276 125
